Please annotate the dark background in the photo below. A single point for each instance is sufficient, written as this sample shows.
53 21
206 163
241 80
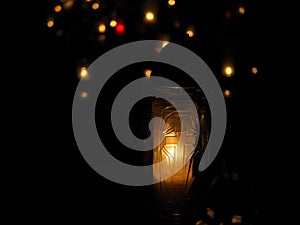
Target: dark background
261 141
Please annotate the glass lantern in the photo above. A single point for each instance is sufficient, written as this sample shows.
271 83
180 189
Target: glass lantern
174 191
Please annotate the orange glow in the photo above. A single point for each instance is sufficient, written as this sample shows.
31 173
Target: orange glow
242 10
148 73
171 2
190 33
210 213
172 134
102 28
68 4
84 94
83 72
50 23
228 71
160 47
57 8
254 70
95 6
149 16
227 93
201 222
236 219
164 44
173 173
170 150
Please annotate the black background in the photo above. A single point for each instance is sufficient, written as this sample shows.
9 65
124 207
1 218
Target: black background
261 139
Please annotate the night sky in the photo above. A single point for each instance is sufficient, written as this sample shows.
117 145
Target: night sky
263 119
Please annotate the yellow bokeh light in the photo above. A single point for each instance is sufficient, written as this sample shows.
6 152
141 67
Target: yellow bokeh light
113 23
190 33
149 16
83 72
227 93
254 70
228 71
241 10
148 73
57 8
171 2
88 0
50 23
95 6
102 28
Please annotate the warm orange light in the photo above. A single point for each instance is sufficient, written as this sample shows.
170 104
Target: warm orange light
227 93
236 219
172 154
254 70
102 28
170 150
57 8
84 94
201 222
228 71
88 0
164 44
148 73
95 6
242 10
160 47
68 4
172 134
50 23
113 23
83 72
149 16
171 2
190 33
210 213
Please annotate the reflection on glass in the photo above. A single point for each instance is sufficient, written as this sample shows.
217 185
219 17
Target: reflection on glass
174 190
